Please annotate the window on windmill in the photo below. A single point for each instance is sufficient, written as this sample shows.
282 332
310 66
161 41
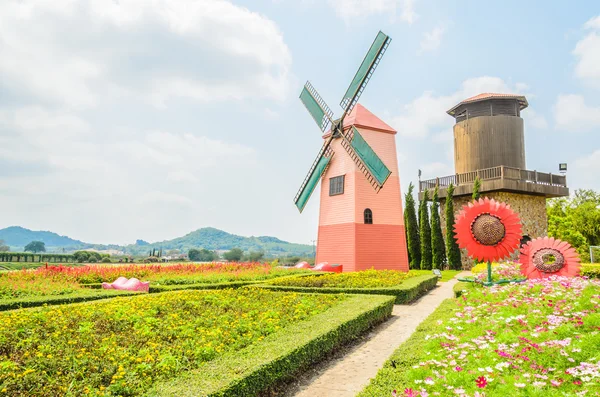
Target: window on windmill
368 217
336 185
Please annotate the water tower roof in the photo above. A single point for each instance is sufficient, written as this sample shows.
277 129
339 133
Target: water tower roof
489 95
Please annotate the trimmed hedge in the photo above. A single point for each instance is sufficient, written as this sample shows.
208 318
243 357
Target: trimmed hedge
279 356
392 375
460 287
591 270
84 296
408 291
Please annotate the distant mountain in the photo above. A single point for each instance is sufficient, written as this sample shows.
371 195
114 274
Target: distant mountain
16 236
215 239
208 237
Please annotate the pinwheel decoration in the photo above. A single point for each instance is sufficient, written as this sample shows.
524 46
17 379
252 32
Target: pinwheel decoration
547 256
489 230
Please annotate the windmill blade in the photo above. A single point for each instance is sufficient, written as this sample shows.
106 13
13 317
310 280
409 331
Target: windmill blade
316 106
365 71
317 169
365 158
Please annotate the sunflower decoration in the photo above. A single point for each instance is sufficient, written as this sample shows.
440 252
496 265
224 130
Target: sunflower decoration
489 230
547 256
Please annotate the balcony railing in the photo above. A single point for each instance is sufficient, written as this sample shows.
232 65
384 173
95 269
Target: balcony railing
500 172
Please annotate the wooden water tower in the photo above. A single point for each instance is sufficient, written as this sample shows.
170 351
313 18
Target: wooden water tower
489 143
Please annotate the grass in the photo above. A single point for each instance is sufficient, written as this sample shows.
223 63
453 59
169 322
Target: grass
31 265
538 339
125 345
447 275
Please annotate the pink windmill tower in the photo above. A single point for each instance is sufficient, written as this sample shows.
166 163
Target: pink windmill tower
361 225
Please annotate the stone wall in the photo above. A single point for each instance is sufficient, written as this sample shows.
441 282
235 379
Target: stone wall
531 210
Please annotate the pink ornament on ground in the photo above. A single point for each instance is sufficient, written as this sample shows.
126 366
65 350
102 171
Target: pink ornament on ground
326 267
302 265
124 284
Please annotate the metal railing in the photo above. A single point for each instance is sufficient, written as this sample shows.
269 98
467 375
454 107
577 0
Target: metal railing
500 172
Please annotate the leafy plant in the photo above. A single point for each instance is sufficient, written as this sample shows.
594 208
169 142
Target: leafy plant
425 232
411 227
437 239
452 249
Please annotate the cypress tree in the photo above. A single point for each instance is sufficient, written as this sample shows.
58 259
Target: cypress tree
452 250
437 238
412 229
476 188
425 232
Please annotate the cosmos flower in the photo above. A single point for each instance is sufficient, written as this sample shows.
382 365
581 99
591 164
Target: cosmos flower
488 230
481 382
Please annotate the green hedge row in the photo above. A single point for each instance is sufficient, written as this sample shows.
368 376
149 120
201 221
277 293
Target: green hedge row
392 375
31 257
406 292
99 293
84 296
591 270
281 355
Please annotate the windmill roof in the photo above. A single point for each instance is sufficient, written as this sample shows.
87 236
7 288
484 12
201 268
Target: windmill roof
360 116
490 95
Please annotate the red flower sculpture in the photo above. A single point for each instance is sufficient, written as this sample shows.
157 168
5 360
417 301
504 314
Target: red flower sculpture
488 230
547 256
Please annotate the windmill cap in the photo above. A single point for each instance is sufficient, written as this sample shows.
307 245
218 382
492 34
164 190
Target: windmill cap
362 117
490 95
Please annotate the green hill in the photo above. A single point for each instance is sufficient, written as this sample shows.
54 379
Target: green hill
210 238
215 239
17 236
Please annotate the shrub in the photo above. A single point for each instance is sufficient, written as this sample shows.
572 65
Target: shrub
363 279
255 369
123 346
591 270
106 260
406 292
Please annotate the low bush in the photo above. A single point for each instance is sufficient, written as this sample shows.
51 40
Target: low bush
278 357
538 338
49 300
406 292
124 345
363 279
591 270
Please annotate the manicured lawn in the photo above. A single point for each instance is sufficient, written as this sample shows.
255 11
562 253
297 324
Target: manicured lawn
447 275
124 345
538 338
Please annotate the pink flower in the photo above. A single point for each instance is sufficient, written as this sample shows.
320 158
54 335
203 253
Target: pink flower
458 368
410 393
481 382
394 393
555 383
429 381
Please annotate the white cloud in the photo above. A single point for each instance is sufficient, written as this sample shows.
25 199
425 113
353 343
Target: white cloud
587 51
427 112
583 171
574 115
77 53
534 119
431 40
352 9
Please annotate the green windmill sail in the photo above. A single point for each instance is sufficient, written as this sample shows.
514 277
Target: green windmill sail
355 145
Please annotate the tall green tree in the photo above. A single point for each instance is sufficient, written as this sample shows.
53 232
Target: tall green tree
233 255
35 247
425 232
576 220
476 188
411 227
438 254
452 250
202 255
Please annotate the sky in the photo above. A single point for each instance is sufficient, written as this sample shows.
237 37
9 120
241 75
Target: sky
147 119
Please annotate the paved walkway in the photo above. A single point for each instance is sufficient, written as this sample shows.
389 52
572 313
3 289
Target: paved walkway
348 375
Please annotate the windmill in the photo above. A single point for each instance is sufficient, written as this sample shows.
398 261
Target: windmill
365 158
357 223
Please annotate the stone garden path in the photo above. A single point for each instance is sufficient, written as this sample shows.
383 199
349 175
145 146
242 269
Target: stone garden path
347 375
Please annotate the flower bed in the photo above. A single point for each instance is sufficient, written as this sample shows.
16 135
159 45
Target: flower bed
538 338
61 280
364 279
406 287
124 345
